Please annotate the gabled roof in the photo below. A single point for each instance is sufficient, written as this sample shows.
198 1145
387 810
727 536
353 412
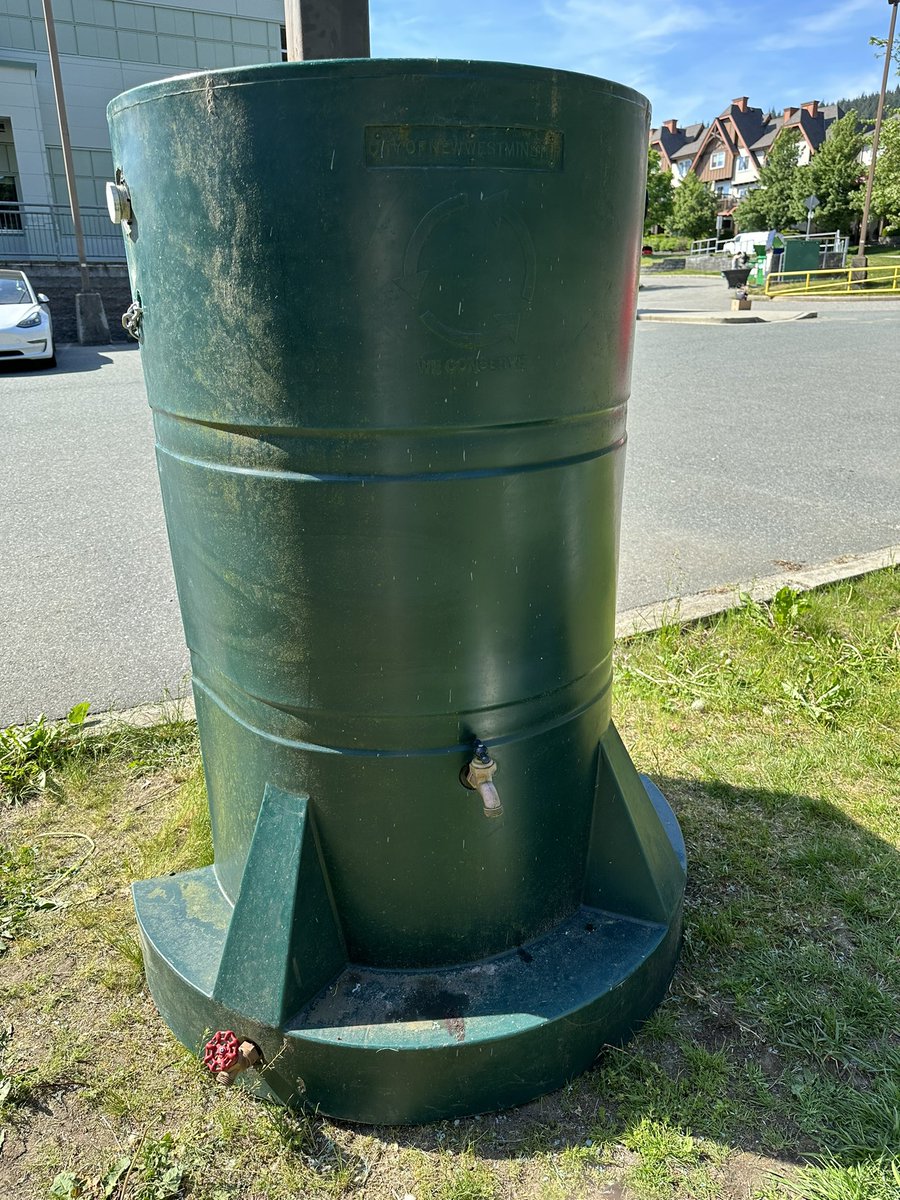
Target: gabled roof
672 142
811 128
749 124
689 149
745 129
767 137
717 129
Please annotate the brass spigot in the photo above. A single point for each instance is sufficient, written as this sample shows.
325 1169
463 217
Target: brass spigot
479 777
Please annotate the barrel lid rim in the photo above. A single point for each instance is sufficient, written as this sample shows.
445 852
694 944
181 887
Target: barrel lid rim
367 68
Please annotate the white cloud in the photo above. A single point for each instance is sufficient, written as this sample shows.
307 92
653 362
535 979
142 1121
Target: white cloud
816 29
631 24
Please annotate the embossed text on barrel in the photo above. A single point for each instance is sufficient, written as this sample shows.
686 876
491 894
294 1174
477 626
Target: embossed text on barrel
386 314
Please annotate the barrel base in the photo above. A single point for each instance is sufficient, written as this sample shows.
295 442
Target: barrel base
405 1047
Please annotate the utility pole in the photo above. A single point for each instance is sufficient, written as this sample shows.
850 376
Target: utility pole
889 50
326 29
90 317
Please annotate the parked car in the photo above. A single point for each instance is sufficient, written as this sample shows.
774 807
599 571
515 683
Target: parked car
26 327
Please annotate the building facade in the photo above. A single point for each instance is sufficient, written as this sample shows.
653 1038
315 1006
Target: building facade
106 47
729 153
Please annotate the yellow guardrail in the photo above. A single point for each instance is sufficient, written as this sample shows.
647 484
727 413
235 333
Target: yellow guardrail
841 281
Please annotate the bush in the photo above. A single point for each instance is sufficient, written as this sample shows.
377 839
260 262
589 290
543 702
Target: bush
661 241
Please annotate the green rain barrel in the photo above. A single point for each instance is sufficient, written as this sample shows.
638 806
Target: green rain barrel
386 312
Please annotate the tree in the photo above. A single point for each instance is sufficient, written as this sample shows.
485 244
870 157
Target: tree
882 42
751 213
866 105
693 209
775 203
659 193
886 188
833 175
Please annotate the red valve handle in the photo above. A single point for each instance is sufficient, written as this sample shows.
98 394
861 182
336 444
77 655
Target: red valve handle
222 1051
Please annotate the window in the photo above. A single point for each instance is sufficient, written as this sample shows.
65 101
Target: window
717 160
10 218
723 189
743 162
683 167
761 159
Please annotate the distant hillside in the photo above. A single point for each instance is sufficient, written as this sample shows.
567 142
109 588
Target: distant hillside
867 104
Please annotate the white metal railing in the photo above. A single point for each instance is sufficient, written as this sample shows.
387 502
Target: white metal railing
830 243
708 245
45 231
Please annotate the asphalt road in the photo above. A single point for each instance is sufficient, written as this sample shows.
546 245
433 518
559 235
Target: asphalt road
750 447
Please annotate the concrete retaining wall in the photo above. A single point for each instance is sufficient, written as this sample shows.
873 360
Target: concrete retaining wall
714 263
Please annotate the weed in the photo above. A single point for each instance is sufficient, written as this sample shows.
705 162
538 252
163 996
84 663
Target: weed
29 752
158 1169
70 1186
20 892
783 611
155 1171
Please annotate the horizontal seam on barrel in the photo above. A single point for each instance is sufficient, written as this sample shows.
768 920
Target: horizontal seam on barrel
420 752
359 433
406 477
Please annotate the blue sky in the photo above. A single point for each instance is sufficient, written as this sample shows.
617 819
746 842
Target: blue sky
691 59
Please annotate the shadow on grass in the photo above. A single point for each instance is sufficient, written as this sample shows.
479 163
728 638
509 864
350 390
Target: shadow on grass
778 1035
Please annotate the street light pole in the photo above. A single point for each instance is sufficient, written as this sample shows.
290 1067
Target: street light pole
889 49
89 313
326 29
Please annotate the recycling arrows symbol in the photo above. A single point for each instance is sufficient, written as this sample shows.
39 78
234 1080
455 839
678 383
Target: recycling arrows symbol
499 326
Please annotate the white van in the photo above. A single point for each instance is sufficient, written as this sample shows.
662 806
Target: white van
743 243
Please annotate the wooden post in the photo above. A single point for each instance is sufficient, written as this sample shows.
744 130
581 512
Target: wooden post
326 29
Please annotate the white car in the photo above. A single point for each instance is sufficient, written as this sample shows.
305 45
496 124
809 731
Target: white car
26 328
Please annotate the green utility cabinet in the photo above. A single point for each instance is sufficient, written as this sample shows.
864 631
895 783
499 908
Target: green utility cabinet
386 312
801 254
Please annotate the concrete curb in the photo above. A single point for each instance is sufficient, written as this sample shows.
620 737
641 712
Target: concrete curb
682 610
723 318
836 297
679 610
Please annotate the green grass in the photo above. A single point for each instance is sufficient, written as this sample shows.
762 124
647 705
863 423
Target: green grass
886 254
771 1071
